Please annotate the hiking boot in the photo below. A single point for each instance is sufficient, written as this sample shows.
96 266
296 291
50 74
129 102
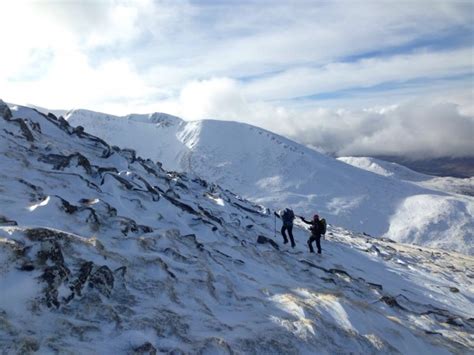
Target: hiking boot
286 241
293 245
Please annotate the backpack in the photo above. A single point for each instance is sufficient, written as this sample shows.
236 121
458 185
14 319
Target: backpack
322 225
288 216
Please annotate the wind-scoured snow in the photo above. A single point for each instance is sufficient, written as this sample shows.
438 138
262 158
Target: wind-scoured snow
271 170
104 252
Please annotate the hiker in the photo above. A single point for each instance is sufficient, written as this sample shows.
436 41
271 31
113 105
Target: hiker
318 228
287 216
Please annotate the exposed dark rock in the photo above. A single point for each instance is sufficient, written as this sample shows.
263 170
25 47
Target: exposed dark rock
148 168
24 128
129 225
454 289
454 321
374 285
129 154
165 267
68 208
306 262
31 186
193 237
26 267
264 240
102 280
433 333
54 276
181 205
50 250
35 126
84 273
60 162
5 111
201 182
87 201
4 221
210 216
28 346
124 182
79 130
392 302
92 219
101 170
181 185
147 348
52 116
59 122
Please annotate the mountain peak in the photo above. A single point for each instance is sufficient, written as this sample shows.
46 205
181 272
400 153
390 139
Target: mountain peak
159 118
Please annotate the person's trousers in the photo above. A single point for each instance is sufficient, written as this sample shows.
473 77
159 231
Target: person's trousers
290 233
317 239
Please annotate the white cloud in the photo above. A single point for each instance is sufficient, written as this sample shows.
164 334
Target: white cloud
364 73
413 129
245 61
217 98
424 126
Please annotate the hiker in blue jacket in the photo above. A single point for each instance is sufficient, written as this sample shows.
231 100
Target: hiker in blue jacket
287 216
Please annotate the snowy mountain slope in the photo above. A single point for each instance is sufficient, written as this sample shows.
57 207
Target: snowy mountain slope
105 252
384 168
463 186
274 171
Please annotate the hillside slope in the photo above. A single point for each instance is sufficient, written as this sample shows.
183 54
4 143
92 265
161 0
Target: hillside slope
277 172
104 252
463 186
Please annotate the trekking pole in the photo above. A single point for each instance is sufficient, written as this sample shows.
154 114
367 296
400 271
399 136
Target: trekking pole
275 225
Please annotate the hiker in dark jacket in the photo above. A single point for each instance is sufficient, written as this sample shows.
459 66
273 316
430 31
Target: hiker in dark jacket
317 229
287 217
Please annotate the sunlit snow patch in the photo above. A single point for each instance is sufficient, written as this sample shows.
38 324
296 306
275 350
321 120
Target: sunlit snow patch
217 200
328 305
301 326
41 204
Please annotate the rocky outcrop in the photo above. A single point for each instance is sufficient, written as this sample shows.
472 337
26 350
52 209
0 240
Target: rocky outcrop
264 240
60 162
5 112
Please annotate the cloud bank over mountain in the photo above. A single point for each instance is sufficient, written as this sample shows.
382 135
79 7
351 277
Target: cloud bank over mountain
427 128
320 72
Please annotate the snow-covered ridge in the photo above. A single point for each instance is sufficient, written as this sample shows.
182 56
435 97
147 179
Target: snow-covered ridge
384 168
380 199
102 251
463 186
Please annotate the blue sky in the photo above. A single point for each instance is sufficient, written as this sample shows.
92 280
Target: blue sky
291 66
